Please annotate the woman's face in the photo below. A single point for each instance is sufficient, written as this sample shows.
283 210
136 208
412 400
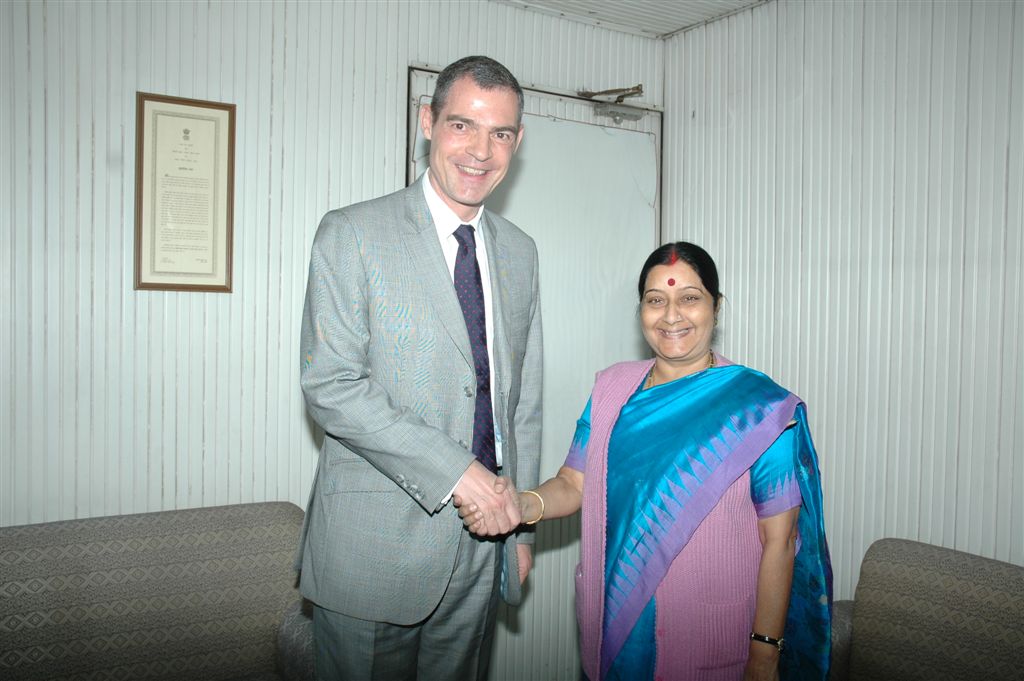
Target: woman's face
678 318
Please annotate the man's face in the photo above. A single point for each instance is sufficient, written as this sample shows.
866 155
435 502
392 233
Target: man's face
471 143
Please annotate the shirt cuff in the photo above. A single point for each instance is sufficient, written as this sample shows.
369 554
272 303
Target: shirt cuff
448 497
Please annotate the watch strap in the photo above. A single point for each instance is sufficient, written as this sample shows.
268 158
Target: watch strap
777 642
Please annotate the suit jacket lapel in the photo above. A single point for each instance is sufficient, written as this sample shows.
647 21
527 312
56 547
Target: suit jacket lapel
498 263
427 260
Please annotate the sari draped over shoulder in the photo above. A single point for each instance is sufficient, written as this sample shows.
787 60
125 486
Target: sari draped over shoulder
691 440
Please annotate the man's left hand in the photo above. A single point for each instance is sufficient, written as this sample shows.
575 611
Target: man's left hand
525 552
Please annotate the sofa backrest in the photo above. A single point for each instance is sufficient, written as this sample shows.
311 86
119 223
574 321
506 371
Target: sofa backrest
193 594
932 613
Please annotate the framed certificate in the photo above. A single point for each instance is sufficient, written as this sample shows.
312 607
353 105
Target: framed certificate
184 193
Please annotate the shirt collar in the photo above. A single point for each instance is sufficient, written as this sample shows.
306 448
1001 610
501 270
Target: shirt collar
445 219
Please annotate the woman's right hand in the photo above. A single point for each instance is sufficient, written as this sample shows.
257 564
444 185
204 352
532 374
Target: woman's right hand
762 663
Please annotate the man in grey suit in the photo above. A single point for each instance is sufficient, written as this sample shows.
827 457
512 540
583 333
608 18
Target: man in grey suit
421 360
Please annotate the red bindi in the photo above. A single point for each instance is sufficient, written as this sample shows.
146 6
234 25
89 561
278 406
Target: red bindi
671 282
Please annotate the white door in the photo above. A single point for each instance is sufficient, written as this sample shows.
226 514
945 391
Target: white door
586 190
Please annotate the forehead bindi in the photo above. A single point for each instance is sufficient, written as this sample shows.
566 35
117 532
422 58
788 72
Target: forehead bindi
676 277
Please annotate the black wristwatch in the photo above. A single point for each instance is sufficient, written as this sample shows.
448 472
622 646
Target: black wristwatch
777 642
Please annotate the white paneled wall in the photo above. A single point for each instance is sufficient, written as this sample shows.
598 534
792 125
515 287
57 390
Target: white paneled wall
119 401
857 170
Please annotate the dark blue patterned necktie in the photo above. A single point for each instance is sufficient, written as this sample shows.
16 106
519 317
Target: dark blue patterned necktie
470 291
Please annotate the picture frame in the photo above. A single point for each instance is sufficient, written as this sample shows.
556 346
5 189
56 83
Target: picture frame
184 194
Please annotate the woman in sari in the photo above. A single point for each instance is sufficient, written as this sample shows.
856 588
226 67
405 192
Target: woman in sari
703 553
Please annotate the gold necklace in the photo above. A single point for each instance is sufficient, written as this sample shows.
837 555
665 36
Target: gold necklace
649 383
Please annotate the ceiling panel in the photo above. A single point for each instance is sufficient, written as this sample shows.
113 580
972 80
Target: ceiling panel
652 18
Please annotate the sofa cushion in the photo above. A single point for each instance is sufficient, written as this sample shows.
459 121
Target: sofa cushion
195 593
931 613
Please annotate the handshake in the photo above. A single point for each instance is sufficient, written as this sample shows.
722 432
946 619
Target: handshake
488 505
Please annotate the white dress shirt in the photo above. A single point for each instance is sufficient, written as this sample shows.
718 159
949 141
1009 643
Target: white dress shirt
446 222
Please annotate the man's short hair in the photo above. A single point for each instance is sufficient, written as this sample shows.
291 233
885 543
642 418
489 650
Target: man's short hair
485 72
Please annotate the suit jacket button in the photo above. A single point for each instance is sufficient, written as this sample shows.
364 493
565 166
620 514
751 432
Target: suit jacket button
463 444
469 391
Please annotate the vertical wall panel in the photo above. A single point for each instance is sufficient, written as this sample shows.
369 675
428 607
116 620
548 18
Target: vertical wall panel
1009 535
866 161
8 161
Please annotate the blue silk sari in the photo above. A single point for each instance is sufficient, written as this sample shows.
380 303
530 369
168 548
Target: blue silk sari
686 442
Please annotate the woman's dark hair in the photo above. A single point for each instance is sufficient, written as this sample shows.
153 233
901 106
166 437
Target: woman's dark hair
693 255
485 72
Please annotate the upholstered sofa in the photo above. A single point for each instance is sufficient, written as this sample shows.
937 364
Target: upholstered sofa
930 613
206 593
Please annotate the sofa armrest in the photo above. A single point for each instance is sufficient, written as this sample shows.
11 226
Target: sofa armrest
842 638
925 612
295 643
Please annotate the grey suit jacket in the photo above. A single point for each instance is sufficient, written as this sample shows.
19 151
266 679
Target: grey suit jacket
387 371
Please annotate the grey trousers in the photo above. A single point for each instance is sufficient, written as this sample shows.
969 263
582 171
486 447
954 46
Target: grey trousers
452 644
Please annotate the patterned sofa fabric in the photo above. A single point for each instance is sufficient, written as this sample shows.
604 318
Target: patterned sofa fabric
932 613
190 594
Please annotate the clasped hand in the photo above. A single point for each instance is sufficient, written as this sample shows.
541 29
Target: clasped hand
488 504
